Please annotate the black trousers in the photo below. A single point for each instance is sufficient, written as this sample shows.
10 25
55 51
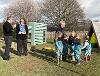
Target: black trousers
22 46
8 42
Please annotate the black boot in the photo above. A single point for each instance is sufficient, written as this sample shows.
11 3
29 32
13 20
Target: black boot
18 53
25 53
6 57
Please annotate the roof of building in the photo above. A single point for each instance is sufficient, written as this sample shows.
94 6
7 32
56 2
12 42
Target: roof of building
96 26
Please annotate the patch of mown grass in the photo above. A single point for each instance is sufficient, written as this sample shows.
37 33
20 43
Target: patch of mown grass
38 65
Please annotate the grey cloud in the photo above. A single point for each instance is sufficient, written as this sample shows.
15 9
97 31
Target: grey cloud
94 10
4 1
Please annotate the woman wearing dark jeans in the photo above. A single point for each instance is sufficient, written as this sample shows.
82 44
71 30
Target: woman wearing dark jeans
22 32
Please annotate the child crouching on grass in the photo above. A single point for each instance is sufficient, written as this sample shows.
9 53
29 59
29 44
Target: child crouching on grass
87 49
77 49
59 46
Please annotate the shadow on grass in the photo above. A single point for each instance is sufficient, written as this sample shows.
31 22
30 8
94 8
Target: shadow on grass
43 56
96 50
50 59
3 47
11 50
14 51
2 54
48 56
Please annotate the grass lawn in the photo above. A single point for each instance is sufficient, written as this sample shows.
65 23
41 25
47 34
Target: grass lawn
36 65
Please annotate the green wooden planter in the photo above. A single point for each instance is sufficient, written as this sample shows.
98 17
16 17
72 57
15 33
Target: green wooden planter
38 33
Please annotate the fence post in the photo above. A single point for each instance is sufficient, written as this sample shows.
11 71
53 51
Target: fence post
32 33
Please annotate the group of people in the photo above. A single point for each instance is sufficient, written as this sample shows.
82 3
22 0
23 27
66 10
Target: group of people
21 36
73 42
62 42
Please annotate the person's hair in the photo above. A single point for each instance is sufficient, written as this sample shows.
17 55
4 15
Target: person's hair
74 33
65 35
77 35
8 17
61 22
87 38
58 34
25 22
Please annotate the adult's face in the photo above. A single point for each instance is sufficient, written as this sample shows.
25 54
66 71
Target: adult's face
22 21
11 20
62 24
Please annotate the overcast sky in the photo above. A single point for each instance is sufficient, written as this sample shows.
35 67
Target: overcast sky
91 7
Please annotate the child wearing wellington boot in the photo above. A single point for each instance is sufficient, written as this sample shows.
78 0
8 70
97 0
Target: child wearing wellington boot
77 49
59 46
87 50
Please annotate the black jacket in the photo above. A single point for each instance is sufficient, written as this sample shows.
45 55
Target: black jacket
7 29
62 31
21 36
71 40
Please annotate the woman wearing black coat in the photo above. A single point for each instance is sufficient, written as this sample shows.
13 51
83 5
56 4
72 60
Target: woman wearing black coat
22 32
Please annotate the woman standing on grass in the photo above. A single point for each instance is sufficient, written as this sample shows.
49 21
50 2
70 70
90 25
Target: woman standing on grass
22 32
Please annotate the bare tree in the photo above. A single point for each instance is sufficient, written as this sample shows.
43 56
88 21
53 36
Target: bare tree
22 8
68 10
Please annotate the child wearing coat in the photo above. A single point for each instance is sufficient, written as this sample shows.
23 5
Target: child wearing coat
77 49
65 47
59 46
87 49
71 42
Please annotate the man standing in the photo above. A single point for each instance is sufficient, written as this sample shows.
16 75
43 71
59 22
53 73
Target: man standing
7 30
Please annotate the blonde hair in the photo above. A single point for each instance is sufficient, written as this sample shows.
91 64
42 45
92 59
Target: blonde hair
62 21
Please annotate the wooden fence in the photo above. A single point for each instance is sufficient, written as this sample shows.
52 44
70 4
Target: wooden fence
51 35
